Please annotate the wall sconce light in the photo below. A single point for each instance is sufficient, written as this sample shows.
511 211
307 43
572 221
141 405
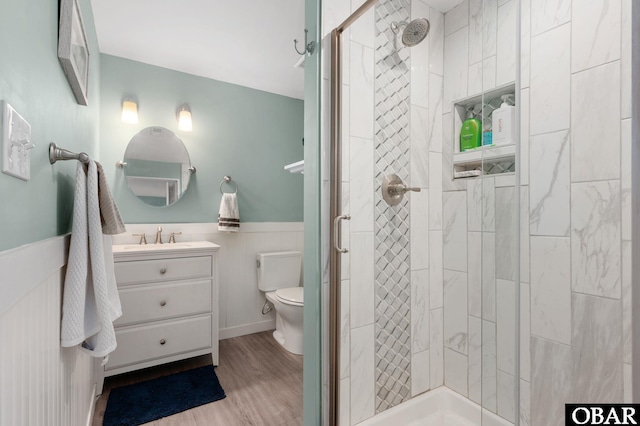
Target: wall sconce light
184 118
129 110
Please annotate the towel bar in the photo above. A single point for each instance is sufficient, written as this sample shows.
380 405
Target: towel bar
227 180
56 154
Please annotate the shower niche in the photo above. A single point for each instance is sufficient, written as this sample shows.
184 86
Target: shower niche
487 159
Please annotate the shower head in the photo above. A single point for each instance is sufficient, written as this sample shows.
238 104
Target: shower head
414 32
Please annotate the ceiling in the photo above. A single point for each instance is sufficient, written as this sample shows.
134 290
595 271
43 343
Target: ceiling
245 42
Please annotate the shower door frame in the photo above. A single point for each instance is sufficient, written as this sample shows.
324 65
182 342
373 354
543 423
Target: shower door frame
335 210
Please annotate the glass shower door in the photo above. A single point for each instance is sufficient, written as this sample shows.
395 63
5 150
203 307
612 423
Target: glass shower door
426 291
391 300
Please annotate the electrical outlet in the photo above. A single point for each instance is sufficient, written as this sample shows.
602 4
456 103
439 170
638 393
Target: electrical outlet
16 144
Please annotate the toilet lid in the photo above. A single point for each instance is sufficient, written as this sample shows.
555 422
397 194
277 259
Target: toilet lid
293 295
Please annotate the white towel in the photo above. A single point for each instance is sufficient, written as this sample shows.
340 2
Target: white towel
90 301
112 223
229 216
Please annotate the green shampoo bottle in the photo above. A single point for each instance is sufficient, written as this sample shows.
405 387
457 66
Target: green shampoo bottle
471 132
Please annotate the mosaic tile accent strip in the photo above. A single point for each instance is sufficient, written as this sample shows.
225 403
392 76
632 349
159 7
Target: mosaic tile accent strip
392 253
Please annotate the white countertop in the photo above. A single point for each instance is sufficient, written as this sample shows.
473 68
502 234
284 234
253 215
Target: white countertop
146 248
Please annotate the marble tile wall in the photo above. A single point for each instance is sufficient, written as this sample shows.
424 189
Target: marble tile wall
478 219
431 143
579 157
574 210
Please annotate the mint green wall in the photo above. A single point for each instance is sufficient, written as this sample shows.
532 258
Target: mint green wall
245 133
315 414
32 81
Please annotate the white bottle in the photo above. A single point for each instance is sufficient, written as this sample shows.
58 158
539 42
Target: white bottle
503 123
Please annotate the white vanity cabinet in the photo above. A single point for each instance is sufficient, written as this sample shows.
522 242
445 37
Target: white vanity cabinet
169 297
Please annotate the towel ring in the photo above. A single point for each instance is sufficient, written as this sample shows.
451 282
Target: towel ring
227 180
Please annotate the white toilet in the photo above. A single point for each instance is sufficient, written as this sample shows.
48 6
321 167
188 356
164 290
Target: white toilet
279 278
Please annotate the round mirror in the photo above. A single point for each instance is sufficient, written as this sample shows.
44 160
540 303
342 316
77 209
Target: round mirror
157 166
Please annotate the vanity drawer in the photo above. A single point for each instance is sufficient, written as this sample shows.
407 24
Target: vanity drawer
142 271
139 344
156 302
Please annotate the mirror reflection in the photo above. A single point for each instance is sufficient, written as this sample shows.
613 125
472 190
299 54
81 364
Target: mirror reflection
157 166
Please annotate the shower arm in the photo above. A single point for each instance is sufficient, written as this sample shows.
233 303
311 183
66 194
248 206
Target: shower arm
395 26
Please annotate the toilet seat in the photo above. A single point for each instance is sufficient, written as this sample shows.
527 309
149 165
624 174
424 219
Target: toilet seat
291 296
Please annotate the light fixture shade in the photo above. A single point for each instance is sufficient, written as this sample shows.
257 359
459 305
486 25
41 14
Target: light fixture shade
129 111
184 118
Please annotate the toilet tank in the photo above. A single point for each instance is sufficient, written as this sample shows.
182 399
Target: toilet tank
278 270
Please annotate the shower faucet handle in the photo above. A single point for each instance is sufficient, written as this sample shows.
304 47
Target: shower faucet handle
393 189
402 189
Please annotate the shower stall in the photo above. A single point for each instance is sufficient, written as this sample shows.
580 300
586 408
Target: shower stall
496 277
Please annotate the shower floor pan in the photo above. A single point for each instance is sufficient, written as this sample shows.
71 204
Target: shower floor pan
438 407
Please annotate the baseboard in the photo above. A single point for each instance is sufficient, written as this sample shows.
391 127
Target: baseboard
242 330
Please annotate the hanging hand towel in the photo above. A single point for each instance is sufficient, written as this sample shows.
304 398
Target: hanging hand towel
229 216
109 215
90 301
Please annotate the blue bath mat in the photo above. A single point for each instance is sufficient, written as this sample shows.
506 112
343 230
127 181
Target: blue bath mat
151 400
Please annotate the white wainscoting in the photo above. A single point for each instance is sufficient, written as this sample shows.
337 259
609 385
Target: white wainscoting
240 300
40 382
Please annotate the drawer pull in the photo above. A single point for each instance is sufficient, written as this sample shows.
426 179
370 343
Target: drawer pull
163 271
163 341
163 303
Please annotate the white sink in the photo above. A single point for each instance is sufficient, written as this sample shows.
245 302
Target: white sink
118 248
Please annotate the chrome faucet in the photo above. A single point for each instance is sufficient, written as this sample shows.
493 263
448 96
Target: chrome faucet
143 238
172 237
159 235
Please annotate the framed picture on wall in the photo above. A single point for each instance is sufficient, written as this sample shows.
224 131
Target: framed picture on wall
73 49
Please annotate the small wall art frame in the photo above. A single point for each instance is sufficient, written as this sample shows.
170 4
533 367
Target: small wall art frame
73 49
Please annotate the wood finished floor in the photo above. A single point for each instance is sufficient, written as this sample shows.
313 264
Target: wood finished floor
262 381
